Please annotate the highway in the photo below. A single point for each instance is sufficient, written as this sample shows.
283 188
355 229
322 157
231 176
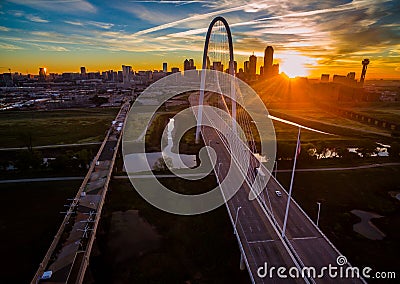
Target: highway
259 240
259 223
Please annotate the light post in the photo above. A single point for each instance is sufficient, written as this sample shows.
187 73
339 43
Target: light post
319 209
291 184
237 214
219 165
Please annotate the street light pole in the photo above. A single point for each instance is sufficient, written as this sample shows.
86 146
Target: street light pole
219 165
237 214
319 209
291 184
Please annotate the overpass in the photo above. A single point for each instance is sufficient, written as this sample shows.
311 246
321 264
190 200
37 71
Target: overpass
68 255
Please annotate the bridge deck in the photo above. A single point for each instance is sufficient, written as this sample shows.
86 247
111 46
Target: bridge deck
259 224
70 250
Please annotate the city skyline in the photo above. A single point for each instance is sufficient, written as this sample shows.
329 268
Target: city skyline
309 37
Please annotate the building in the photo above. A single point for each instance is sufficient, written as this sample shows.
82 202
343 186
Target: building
268 61
246 67
83 70
340 79
188 64
126 74
165 67
174 69
42 73
364 63
252 65
324 77
218 66
351 75
275 70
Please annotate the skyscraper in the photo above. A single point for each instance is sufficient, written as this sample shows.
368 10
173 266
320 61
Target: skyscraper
268 60
275 70
83 73
252 65
126 74
165 67
191 63
246 67
42 73
188 64
218 66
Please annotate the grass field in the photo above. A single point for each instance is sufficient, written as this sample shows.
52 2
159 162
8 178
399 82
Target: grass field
329 119
389 111
17 128
29 219
342 191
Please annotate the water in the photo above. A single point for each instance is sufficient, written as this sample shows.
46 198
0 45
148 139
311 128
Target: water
137 162
365 226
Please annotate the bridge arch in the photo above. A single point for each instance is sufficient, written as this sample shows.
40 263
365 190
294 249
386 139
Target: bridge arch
204 67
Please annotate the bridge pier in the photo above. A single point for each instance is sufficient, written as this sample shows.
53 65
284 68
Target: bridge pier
242 265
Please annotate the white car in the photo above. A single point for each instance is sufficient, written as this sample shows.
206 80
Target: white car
278 193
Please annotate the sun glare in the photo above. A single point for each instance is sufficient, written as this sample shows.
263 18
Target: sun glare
294 65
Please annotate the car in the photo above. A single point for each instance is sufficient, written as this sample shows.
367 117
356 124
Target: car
46 275
278 193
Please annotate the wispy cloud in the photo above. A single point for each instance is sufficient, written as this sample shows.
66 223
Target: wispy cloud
190 19
74 23
44 47
9 47
36 19
4 29
101 25
29 17
333 33
176 2
63 6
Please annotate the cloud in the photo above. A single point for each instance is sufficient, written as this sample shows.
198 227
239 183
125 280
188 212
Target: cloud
101 25
9 47
176 2
61 6
190 19
74 23
36 19
4 29
29 17
46 47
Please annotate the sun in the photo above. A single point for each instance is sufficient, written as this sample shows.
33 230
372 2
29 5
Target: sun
294 65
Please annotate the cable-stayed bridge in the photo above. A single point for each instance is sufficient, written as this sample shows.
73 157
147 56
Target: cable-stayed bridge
259 208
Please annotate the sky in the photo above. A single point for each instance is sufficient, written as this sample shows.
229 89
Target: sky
309 37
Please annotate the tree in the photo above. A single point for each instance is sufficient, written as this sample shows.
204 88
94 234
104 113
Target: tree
84 158
394 150
162 164
29 160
